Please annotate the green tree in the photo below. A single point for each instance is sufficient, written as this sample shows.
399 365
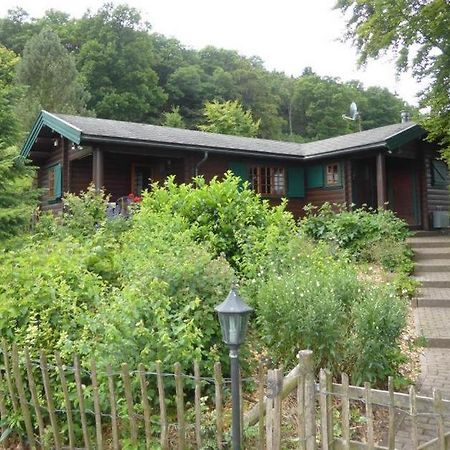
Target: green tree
48 72
185 87
173 118
115 59
317 107
16 29
17 198
229 118
9 94
419 33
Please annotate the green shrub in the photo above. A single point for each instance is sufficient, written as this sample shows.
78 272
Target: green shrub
378 320
367 234
318 302
222 213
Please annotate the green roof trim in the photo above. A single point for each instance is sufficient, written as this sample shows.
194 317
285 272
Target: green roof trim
57 124
405 136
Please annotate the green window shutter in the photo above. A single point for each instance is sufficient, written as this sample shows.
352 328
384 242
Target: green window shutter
240 170
57 189
439 173
314 176
296 182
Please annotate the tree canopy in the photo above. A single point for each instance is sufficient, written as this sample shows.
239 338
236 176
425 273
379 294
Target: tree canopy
418 31
16 195
229 118
49 73
133 74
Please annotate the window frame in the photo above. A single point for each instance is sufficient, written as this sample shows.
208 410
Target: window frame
257 169
433 170
339 181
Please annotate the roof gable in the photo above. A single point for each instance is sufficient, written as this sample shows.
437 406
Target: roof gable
55 123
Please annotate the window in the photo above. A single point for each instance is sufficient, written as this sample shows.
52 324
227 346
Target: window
439 173
333 175
268 180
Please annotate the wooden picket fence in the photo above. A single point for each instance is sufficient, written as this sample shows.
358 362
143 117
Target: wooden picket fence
45 403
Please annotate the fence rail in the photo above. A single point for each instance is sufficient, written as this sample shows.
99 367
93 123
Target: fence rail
46 403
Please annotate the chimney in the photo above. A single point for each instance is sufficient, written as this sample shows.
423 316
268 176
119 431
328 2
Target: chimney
404 116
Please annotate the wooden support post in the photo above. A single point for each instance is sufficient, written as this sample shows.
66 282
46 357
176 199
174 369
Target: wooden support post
145 406
180 407
34 398
219 404
81 407
113 406
381 180
391 429
98 168
50 402
97 409
306 401
345 413
269 408
162 407
413 414
130 405
198 412
277 410
22 397
67 403
423 161
437 400
323 409
65 149
261 374
369 416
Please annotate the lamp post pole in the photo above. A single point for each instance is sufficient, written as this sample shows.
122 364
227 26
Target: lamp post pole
235 398
233 315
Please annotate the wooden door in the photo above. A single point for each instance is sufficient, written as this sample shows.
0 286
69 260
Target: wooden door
403 192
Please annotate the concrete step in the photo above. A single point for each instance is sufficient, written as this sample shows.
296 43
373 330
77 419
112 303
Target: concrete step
435 243
434 233
434 324
437 293
422 254
442 284
432 265
430 303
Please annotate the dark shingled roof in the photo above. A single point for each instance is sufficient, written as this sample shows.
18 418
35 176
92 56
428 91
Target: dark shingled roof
93 129
376 137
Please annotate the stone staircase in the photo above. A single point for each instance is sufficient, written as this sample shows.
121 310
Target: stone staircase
432 269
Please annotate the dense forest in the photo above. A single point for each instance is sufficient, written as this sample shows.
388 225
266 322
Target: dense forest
110 64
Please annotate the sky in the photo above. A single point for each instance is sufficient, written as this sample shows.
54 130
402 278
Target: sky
288 35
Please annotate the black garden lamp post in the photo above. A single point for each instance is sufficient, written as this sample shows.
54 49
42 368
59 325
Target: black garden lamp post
233 317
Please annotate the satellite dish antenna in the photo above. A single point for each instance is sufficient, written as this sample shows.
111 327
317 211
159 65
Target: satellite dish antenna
353 111
354 115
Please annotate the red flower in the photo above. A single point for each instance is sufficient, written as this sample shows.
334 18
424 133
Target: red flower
131 196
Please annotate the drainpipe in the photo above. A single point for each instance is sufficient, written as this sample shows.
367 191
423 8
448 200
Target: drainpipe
205 157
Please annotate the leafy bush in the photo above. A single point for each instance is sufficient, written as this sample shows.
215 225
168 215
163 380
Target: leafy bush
317 301
144 289
367 234
231 219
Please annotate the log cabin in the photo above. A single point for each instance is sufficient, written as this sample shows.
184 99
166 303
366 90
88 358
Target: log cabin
391 166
